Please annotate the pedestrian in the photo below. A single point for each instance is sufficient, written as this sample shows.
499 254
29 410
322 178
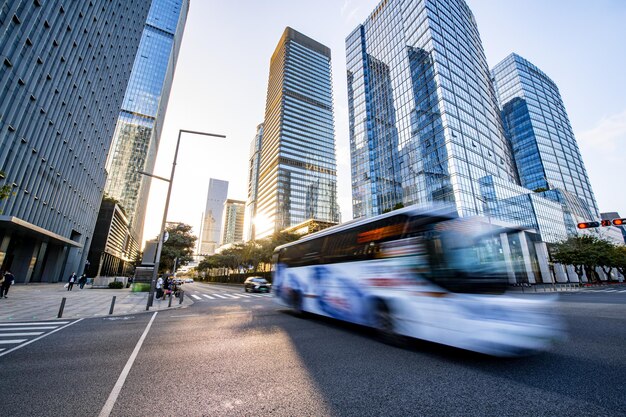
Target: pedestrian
7 281
159 288
71 281
82 281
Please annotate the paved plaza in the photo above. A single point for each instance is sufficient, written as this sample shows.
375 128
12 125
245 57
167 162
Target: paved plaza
42 302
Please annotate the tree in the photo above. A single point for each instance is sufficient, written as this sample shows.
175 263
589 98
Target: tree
249 255
585 253
5 190
619 254
179 245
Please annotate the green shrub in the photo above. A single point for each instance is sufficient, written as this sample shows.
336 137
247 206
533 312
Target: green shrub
140 287
116 285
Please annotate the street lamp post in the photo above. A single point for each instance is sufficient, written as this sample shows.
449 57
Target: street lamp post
170 181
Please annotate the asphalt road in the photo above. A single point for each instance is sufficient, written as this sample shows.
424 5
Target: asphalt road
227 356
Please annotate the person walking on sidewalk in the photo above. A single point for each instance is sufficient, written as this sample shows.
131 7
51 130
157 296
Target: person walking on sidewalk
71 281
7 280
82 281
159 288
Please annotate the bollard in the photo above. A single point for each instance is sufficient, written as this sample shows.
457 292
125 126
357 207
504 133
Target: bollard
169 304
180 297
112 305
61 308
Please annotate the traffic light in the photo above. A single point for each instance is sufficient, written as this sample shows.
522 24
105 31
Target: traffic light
619 222
588 225
605 223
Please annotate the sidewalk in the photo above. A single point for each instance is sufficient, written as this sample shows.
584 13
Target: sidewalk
42 302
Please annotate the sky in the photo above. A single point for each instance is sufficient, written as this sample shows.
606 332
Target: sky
221 77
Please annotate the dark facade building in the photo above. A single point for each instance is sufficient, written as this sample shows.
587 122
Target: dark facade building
297 170
114 251
65 67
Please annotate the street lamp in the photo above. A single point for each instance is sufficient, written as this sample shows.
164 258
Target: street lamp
167 205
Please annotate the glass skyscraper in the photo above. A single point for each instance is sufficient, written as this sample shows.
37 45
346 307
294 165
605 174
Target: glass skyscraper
543 143
211 232
65 67
139 125
233 217
253 183
424 123
297 170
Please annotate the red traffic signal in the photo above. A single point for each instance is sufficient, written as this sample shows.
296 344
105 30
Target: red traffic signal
605 223
588 225
619 222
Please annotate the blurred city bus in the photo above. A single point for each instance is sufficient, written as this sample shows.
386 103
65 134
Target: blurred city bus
421 273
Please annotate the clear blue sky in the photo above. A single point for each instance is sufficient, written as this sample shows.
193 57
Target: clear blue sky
221 80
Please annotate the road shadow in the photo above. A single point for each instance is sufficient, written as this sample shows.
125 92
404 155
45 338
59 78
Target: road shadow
359 375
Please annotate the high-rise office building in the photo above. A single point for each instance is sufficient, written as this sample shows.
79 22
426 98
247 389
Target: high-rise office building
232 227
65 68
546 153
297 170
211 231
424 124
136 139
253 183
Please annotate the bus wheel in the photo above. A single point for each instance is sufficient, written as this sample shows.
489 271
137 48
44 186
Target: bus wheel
296 302
385 327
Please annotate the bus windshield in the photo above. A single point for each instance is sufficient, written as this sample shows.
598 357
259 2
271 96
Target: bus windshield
467 257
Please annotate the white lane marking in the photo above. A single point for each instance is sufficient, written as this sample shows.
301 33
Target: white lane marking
47 323
40 337
256 295
231 295
1 349
220 296
117 388
21 334
12 341
610 290
622 291
30 328
196 297
208 296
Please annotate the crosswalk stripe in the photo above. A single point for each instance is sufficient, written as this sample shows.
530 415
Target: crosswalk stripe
30 328
20 334
196 297
231 295
256 295
1 349
610 290
48 323
208 296
244 295
11 341
220 296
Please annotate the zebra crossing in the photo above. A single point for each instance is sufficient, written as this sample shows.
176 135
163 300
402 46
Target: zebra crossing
17 335
225 295
604 290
